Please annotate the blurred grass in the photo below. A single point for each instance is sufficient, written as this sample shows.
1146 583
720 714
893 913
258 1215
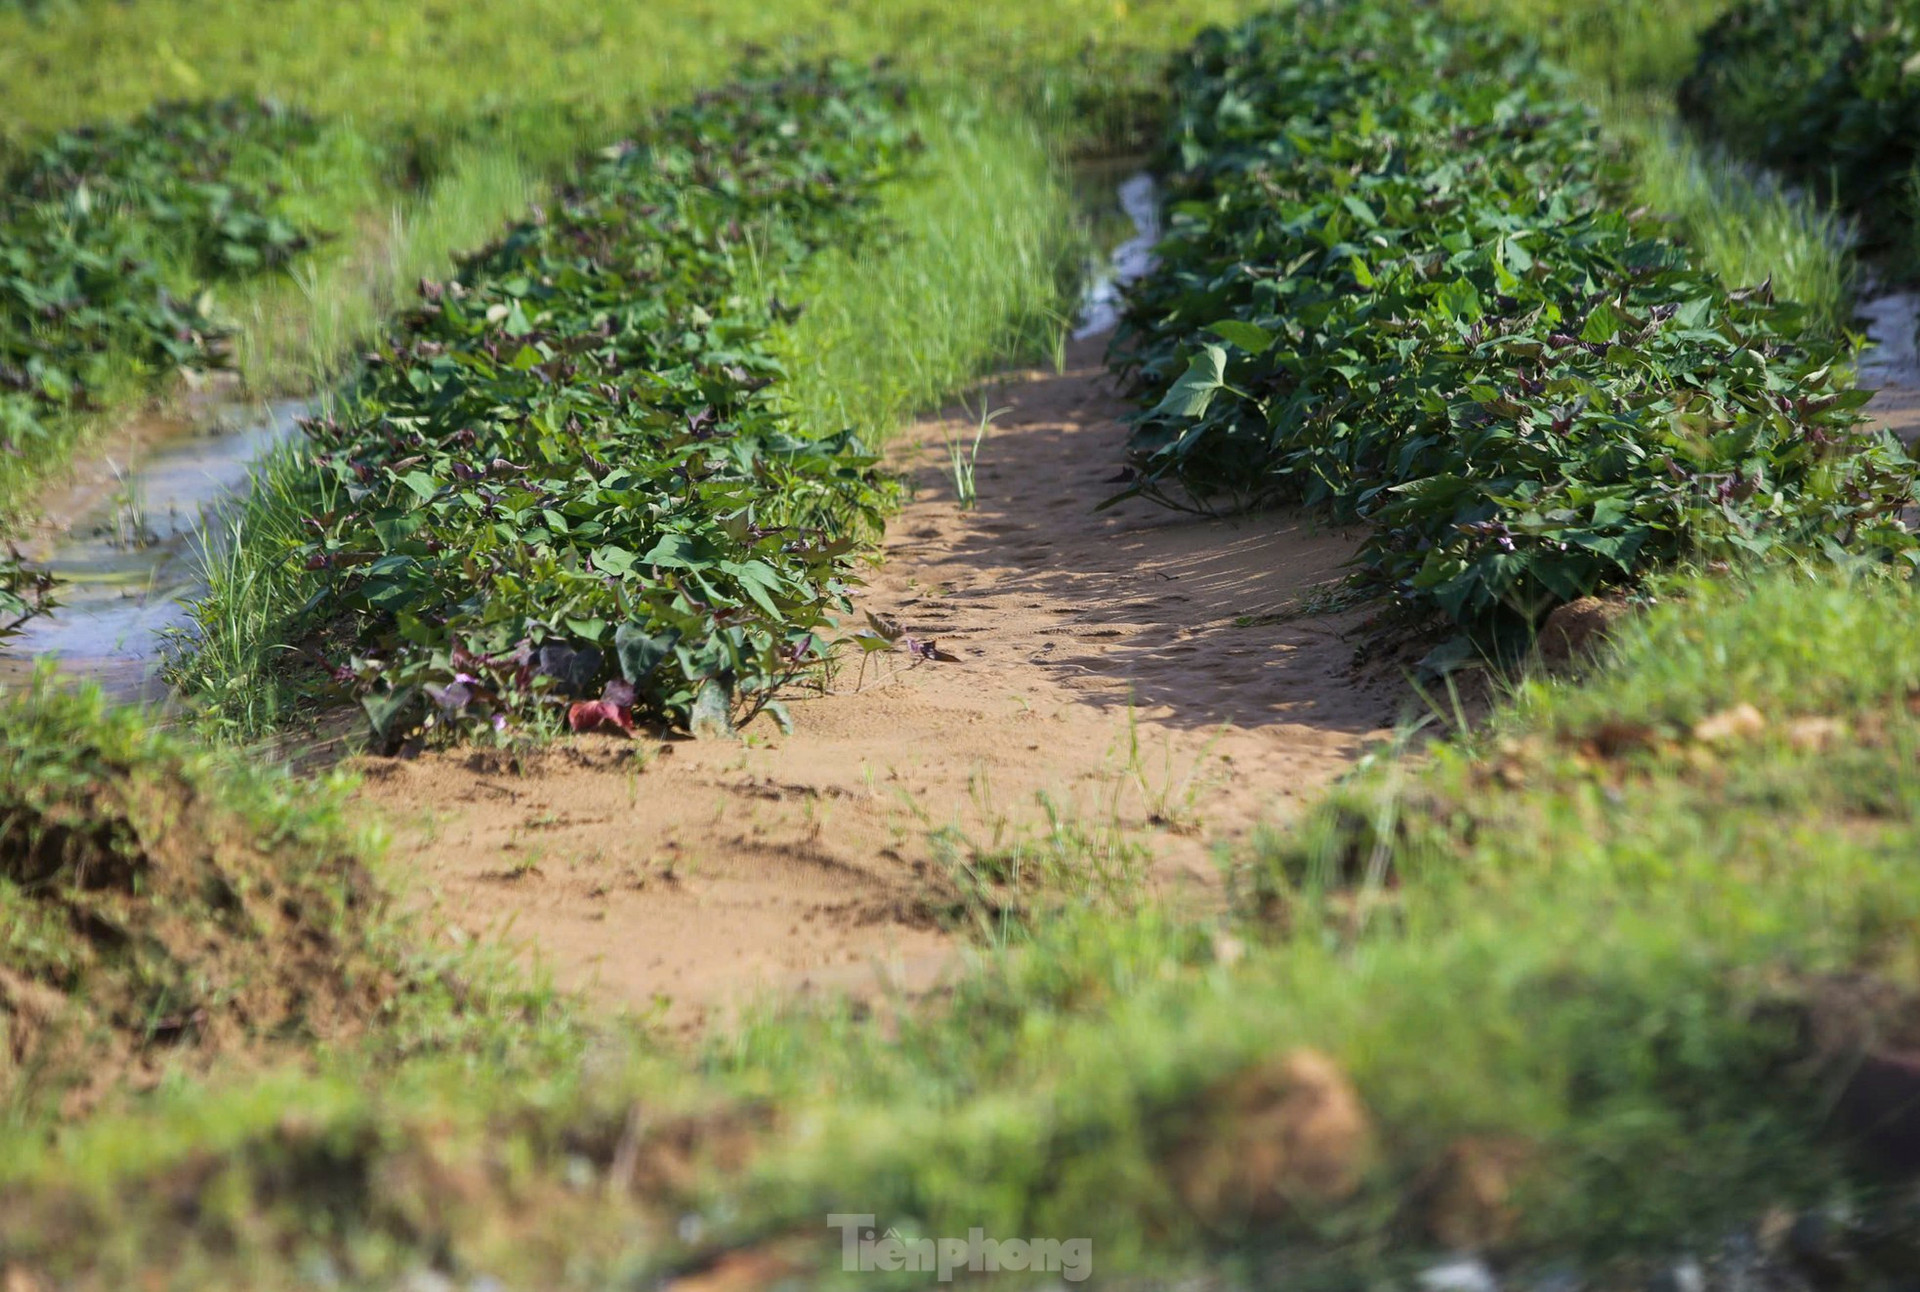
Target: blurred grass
543 75
1594 955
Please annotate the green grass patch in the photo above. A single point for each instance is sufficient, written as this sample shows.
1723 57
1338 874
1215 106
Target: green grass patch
975 264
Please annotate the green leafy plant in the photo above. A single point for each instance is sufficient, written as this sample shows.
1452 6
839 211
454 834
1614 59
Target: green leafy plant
565 487
110 233
1400 282
1826 90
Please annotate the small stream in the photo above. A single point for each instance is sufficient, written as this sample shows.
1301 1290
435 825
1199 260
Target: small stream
129 566
1892 357
1132 260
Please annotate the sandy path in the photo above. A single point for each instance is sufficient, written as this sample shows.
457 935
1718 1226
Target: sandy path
1100 666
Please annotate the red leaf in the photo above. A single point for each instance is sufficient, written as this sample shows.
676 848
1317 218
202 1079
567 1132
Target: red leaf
593 715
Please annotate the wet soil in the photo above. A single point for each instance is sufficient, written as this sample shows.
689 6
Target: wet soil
125 537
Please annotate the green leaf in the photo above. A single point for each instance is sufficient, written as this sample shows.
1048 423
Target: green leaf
641 652
711 717
1460 299
1603 324
1205 377
1250 337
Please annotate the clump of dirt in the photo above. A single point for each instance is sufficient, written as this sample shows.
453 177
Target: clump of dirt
164 907
1282 1138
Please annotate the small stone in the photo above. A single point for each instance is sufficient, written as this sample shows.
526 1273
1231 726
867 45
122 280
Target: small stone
1771 1233
1578 628
1813 735
1741 722
1467 1274
1471 1204
1287 1132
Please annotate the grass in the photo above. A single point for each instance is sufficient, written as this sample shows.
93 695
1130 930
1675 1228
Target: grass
979 269
543 76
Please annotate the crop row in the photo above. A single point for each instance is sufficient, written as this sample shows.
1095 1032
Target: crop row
566 483
1825 90
1400 281
109 233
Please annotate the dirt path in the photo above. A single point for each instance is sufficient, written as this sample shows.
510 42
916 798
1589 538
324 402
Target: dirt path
1100 669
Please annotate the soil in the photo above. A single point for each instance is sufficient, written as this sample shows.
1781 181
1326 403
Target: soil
158 929
1130 674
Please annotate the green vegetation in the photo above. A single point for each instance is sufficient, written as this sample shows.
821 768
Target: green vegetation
1745 226
1399 283
445 122
1597 928
1585 947
694 368
1622 48
563 473
978 254
1825 92
1591 935
110 238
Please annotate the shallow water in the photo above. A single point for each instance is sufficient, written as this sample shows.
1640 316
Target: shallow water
1892 357
1132 260
130 566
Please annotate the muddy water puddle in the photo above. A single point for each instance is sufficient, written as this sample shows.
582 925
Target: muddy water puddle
132 557
1890 365
1132 260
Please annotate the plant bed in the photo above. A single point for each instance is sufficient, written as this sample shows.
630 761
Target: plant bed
565 488
1401 283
